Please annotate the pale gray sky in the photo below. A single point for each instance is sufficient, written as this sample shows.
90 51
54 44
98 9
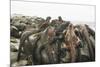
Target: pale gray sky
68 12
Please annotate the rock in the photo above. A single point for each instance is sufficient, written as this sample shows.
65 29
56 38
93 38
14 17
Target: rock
14 31
14 45
20 63
13 56
13 48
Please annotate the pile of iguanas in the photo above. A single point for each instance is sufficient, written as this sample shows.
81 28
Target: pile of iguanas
46 41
